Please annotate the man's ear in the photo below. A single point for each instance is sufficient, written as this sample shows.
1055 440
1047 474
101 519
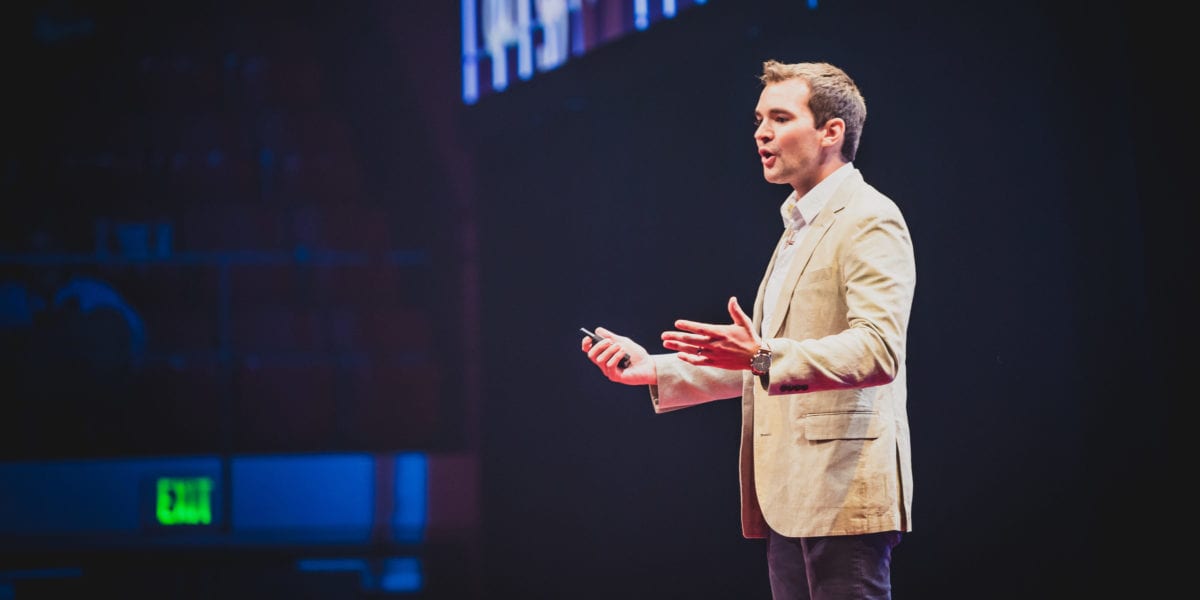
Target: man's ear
832 132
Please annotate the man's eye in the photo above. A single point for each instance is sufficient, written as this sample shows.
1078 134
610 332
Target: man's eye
757 122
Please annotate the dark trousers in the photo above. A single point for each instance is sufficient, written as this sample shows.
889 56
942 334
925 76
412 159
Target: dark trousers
843 567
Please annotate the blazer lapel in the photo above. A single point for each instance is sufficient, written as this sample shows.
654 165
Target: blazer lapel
817 230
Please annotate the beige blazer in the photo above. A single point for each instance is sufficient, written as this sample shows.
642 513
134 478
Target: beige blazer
825 437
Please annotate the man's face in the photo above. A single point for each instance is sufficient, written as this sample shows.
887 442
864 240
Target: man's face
788 143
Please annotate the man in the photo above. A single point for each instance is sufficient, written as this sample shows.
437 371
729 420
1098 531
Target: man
826 475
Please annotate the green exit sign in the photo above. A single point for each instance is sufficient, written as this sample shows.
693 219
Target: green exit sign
184 500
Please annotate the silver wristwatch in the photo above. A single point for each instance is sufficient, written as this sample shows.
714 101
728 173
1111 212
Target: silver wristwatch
760 363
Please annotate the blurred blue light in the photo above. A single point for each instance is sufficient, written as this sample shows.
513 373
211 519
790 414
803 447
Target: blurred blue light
400 575
408 520
319 497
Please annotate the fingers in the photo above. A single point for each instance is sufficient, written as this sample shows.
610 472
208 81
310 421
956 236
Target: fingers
710 330
693 327
708 343
693 349
740 318
686 342
596 349
606 353
587 343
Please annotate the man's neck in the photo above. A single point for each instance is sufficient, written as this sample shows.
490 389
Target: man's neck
827 168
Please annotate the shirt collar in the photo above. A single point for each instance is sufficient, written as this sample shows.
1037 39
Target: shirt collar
798 210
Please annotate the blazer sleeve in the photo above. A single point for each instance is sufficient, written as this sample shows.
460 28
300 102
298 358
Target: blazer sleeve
682 384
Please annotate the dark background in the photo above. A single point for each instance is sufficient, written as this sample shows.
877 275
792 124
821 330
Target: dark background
1036 149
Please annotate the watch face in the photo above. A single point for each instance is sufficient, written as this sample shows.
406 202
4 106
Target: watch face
760 363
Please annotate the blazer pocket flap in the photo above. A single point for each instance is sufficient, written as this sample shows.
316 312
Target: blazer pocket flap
842 426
